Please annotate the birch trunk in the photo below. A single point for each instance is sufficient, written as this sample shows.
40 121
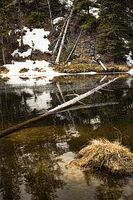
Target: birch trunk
50 14
59 38
63 38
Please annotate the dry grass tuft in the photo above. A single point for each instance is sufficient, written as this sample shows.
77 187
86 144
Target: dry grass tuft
105 155
81 67
23 70
3 70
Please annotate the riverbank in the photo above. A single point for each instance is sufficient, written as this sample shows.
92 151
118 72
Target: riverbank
79 68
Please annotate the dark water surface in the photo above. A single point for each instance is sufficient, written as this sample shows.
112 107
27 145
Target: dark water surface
33 161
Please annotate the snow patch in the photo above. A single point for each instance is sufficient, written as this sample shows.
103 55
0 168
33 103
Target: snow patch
16 67
89 73
69 3
23 55
129 59
36 39
130 72
94 12
58 20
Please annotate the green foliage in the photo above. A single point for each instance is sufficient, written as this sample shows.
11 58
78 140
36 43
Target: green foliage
84 18
37 18
113 30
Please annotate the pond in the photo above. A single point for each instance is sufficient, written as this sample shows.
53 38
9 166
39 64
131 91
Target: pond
34 160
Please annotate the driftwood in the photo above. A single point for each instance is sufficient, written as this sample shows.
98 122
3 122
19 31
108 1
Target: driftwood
56 109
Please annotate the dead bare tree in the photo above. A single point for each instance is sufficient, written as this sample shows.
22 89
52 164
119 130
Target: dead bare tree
3 51
50 14
59 38
63 37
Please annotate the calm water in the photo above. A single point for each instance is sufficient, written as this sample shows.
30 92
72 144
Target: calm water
33 161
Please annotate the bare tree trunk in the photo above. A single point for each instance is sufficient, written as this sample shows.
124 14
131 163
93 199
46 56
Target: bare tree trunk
50 14
103 66
100 62
63 38
3 51
3 56
59 38
56 109
20 16
74 47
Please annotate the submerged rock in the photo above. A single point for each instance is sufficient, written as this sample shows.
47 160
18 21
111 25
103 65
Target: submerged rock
105 155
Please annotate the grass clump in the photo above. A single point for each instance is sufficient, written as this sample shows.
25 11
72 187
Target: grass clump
77 68
102 154
23 70
3 70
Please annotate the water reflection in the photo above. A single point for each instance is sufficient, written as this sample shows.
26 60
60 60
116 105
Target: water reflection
33 161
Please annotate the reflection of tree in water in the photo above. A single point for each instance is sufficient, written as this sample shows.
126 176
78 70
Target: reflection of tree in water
109 187
13 108
31 165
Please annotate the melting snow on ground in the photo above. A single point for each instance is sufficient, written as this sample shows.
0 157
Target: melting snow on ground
58 20
129 59
130 62
36 39
94 11
28 72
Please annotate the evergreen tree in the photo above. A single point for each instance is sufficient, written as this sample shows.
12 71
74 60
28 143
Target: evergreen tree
113 30
84 17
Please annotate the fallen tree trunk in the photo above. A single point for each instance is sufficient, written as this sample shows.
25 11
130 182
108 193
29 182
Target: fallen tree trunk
56 109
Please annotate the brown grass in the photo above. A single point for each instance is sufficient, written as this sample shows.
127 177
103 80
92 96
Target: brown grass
105 155
39 69
23 70
77 68
3 70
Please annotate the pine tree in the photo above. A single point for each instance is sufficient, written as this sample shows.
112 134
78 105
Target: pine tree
113 30
84 17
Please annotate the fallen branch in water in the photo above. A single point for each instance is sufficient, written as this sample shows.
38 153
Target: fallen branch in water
56 109
89 106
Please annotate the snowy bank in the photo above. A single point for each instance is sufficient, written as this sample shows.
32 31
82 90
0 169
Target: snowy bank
28 72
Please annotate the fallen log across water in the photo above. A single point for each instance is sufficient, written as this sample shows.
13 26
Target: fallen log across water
56 109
